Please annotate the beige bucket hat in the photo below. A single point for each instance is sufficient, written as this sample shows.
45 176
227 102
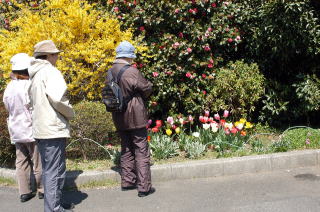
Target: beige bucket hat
45 47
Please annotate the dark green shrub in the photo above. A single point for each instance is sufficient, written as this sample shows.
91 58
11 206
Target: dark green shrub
91 124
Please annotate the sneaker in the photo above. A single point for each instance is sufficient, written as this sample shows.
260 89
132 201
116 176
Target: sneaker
40 195
67 206
27 197
143 194
128 188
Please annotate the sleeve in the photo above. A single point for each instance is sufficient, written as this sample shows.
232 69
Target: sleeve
56 90
143 86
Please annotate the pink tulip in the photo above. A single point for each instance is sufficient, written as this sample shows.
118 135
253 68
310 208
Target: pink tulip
201 119
211 120
170 120
234 130
204 92
238 38
216 116
209 29
155 74
189 50
190 118
205 119
206 113
230 40
175 45
210 65
177 10
225 113
226 131
116 9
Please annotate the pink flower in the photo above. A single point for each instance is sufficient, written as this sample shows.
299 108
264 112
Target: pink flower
168 72
175 45
206 34
190 118
170 120
206 48
134 65
180 34
210 65
205 119
238 38
211 61
230 40
201 119
189 50
188 74
204 92
307 141
214 5
226 131
116 9
141 28
206 113
209 29
204 76
155 74
227 29
234 130
225 114
216 116
211 120
177 10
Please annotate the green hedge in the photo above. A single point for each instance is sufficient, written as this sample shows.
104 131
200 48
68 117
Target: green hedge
92 123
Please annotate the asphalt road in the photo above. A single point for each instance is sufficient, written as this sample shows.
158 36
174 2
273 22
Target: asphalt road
295 190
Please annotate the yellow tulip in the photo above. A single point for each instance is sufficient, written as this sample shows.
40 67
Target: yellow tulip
242 121
169 132
177 130
248 125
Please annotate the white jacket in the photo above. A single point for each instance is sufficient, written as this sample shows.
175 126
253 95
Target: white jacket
51 108
15 99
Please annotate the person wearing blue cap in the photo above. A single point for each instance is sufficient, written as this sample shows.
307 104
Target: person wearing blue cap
131 124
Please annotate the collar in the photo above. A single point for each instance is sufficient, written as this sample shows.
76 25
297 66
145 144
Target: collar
121 61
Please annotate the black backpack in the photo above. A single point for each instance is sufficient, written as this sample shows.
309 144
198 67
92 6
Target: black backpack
112 96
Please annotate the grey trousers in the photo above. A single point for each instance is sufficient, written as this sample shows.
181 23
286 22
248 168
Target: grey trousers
28 167
53 160
135 159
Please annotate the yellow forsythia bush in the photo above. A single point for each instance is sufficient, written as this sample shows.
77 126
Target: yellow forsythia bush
87 36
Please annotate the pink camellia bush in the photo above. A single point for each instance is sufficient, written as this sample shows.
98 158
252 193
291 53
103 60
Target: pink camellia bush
187 48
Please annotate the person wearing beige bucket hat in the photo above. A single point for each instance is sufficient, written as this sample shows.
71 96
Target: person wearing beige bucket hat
51 114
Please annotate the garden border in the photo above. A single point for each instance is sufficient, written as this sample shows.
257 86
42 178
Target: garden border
202 168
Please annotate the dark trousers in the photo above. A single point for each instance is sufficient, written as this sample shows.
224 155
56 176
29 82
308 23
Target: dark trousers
135 159
53 160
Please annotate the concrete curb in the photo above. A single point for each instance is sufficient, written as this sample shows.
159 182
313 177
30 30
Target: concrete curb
202 168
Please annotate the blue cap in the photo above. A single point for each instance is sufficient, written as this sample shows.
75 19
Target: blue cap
125 49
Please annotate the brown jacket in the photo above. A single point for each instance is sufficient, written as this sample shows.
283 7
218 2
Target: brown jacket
132 83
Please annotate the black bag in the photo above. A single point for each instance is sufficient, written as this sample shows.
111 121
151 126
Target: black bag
112 96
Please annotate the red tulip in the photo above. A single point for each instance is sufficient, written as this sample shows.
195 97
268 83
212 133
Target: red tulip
158 123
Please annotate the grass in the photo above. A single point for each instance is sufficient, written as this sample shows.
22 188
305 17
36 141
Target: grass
107 183
7 182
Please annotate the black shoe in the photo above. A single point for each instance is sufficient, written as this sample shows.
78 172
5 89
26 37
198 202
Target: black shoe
143 194
26 197
67 206
128 188
40 195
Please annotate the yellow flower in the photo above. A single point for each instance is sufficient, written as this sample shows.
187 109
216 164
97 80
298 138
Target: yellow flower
178 130
242 121
169 132
248 125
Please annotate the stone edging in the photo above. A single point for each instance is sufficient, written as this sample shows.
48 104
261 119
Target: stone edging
203 168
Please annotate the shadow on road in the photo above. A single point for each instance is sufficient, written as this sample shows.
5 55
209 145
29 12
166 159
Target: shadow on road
71 193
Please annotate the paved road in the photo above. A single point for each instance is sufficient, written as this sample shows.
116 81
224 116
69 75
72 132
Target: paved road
295 190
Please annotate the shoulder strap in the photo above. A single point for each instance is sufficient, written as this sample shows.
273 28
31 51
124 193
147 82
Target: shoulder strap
122 70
